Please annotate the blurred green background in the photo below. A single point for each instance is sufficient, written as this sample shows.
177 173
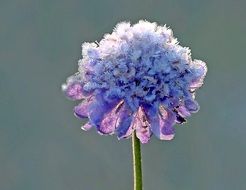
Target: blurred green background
41 144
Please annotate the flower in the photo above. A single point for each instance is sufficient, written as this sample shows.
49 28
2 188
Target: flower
137 78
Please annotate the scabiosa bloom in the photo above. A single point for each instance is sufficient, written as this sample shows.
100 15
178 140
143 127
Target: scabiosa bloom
137 78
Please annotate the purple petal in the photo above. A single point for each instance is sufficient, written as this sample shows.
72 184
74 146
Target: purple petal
153 120
191 105
128 133
108 124
124 122
81 110
97 111
183 111
142 127
74 91
87 126
167 121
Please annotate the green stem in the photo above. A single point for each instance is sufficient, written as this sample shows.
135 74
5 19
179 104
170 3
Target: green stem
137 169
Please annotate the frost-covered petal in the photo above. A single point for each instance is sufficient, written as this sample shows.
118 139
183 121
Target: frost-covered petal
199 70
73 91
90 50
122 29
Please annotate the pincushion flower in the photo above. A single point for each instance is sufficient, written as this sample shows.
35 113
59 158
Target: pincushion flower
136 79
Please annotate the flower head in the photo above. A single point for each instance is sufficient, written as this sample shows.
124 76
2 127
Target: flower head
137 78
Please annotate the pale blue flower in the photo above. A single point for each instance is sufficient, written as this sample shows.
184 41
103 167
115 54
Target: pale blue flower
137 78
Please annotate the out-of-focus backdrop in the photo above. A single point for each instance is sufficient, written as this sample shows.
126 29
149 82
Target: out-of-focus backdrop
41 144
